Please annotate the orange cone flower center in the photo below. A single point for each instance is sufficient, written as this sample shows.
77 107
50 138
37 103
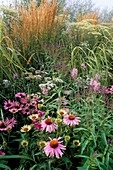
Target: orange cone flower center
33 117
24 143
71 117
61 113
48 121
26 129
54 144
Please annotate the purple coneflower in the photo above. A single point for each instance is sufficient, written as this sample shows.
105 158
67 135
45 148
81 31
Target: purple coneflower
26 110
8 124
20 95
13 110
48 125
54 147
71 120
8 105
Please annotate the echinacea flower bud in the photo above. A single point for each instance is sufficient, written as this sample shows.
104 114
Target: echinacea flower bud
76 142
67 138
42 144
4 143
40 105
58 120
52 119
24 143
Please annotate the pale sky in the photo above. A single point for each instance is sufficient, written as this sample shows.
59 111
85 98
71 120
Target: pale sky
103 3
98 3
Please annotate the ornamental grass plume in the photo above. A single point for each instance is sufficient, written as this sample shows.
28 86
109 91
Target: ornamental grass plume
32 23
54 147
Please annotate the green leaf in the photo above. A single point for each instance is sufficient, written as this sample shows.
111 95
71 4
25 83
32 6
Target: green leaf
84 145
107 161
15 157
66 160
104 138
94 138
82 156
4 166
98 164
86 165
32 168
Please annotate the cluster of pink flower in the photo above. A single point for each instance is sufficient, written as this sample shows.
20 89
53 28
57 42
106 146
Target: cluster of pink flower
24 106
74 73
49 124
95 85
61 101
7 124
54 147
83 66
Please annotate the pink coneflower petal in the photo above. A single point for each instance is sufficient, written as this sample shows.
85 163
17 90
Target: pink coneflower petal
9 123
2 153
13 110
8 105
48 125
20 95
71 120
53 147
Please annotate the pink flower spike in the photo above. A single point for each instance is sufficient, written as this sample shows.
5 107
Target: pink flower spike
20 95
71 120
88 98
74 73
48 125
54 147
83 66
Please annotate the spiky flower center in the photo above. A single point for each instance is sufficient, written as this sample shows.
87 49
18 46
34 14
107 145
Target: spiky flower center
8 104
71 117
17 107
33 117
48 121
2 125
24 143
26 129
14 110
27 110
61 113
54 144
